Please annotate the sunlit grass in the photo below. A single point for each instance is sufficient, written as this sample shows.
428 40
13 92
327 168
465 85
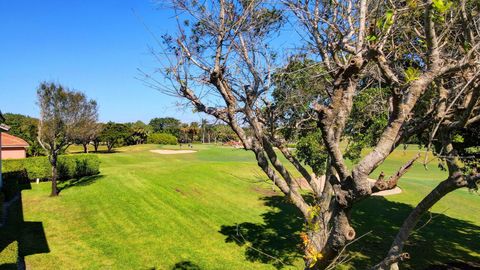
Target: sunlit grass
149 210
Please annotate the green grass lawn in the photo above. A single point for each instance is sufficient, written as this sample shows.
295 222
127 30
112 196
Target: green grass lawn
213 210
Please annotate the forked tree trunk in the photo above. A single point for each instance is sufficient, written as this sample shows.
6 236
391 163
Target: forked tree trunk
85 147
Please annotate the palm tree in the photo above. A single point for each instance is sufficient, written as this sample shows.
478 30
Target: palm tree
204 124
193 130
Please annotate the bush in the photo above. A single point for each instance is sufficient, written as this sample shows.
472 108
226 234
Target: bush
162 138
68 166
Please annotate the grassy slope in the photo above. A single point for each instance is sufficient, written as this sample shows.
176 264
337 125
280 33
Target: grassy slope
148 210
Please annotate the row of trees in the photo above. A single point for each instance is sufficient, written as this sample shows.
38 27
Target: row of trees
204 131
117 134
375 74
89 132
67 117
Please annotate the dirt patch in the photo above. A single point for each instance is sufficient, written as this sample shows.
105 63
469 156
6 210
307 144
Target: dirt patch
172 152
180 191
264 191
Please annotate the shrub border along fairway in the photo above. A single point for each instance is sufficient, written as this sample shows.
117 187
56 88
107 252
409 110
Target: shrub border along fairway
69 166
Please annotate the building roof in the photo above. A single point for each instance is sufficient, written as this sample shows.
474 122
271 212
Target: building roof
12 141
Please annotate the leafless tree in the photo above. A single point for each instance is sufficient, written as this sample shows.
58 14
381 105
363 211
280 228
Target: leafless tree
425 53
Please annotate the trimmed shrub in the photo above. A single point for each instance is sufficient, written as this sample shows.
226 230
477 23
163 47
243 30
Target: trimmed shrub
162 138
68 166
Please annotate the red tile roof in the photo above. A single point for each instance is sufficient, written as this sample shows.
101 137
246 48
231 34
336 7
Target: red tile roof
12 141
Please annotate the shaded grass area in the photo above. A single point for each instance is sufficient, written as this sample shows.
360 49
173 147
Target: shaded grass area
439 239
213 210
19 238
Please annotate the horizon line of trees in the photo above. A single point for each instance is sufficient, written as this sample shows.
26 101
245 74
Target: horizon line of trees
113 134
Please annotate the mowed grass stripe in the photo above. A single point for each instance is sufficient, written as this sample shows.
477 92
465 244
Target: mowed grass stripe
151 210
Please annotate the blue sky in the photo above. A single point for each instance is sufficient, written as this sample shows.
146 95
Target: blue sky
92 46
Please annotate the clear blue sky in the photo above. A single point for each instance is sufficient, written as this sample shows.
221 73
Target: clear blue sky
93 46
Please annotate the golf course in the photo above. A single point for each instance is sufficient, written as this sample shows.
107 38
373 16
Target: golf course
215 209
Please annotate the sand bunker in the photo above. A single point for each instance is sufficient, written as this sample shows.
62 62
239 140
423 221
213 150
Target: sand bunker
173 152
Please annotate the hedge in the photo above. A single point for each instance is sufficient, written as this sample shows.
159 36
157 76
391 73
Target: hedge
162 138
68 166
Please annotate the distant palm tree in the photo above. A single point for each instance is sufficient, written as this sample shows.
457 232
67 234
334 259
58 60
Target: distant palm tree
194 129
184 130
204 125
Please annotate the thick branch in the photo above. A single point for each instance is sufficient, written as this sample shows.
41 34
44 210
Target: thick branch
392 181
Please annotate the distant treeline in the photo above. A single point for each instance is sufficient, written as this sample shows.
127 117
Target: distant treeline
114 134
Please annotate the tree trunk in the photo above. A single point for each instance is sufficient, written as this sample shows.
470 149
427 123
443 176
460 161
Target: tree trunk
109 147
327 239
53 162
85 147
95 145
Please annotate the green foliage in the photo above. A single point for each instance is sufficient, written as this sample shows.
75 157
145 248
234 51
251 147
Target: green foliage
166 125
412 74
162 138
311 151
467 144
139 132
66 115
224 133
296 86
114 134
386 21
25 127
367 121
68 166
412 3
441 6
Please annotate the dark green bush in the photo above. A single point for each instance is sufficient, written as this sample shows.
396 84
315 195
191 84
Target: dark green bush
68 166
162 138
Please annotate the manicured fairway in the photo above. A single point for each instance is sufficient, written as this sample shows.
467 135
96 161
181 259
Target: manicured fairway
153 211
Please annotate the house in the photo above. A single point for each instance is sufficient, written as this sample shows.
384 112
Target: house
13 147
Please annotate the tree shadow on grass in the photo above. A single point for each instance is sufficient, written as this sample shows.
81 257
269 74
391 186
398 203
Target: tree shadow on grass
186 265
29 236
84 181
437 240
276 241
9 266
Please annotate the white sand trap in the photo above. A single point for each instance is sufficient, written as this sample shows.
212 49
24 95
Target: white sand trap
172 152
